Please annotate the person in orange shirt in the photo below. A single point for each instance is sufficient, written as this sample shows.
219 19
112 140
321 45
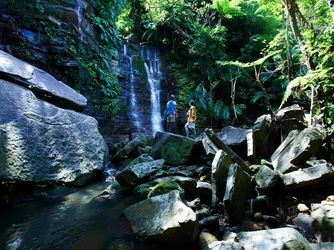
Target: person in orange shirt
191 120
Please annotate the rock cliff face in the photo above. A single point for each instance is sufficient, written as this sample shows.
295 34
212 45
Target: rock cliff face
44 34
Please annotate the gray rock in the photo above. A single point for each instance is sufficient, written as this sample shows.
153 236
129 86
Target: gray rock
164 218
205 238
273 239
175 149
290 118
223 245
39 81
219 170
260 131
123 153
40 142
299 150
232 136
266 178
135 174
308 177
238 188
323 223
204 192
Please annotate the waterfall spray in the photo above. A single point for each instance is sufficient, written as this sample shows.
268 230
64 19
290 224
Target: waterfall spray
152 67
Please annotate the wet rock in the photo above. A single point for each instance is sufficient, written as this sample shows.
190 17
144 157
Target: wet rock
137 173
274 239
175 149
237 193
164 218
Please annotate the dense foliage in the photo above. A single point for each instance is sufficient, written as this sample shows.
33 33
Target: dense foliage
83 61
236 57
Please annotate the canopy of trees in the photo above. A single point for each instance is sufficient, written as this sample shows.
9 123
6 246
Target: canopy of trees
234 56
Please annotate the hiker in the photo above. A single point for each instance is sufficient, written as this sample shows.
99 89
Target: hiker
191 120
171 114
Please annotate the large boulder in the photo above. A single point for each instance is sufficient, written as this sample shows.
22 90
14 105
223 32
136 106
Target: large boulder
323 223
299 149
164 218
219 169
40 82
175 149
273 239
40 142
318 173
237 192
135 174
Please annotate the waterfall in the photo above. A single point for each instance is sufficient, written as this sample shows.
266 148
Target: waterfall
133 98
154 76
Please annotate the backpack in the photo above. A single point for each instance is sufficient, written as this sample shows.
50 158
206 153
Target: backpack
170 108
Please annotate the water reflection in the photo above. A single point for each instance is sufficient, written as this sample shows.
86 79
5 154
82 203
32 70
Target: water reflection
76 221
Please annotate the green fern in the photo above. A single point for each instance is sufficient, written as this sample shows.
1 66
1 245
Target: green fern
305 81
227 9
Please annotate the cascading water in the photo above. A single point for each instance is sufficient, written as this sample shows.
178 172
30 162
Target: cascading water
154 76
134 111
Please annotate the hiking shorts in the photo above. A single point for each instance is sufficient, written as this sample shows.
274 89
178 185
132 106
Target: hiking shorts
171 118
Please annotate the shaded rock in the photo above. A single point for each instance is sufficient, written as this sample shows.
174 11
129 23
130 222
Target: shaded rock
266 178
273 239
205 238
262 204
175 149
238 188
308 177
322 246
204 192
290 118
323 223
235 138
202 211
164 218
232 136
222 245
137 173
304 222
260 132
40 142
42 83
219 170
209 147
210 223
164 188
298 150
124 152
187 185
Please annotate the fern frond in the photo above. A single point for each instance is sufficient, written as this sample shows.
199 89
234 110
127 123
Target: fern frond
258 95
303 81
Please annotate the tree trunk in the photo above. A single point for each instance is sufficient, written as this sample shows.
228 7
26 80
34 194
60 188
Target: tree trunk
331 7
291 10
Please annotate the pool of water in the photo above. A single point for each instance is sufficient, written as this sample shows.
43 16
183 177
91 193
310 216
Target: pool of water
75 221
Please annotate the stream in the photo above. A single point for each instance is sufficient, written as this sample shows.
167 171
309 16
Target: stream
74 221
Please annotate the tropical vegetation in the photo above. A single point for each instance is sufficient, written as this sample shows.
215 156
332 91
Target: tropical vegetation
238 57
